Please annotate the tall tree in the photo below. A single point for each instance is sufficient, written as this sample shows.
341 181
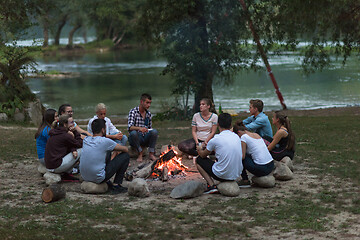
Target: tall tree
207 40
113 19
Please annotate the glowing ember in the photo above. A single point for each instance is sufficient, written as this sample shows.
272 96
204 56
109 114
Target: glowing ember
174 165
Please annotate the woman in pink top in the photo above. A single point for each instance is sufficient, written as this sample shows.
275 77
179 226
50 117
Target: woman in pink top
204 124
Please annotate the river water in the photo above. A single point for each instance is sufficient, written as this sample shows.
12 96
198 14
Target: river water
118 78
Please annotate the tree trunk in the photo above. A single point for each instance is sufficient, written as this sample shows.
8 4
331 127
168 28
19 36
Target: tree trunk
71 34
58 31
85 35
46 31
117 43
206 75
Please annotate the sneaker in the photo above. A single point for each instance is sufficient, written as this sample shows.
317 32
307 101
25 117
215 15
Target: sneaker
119 189
211 189
66 177
75 170
244 183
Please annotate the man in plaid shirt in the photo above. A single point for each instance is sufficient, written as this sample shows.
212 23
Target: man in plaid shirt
140 128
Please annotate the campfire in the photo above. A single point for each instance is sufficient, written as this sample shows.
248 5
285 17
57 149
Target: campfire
168 164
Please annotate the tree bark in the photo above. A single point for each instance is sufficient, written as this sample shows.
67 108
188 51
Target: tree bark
53 193
71 34
58 31
46 31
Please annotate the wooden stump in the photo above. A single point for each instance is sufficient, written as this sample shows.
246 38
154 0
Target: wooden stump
53 193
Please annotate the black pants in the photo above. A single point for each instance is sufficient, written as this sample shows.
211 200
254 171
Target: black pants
117 166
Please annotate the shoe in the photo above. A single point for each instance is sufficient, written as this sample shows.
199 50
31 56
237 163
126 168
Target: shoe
211 189
244 183
66 177
75 170
110 185
119 189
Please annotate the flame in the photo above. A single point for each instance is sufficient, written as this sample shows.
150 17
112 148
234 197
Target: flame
174 164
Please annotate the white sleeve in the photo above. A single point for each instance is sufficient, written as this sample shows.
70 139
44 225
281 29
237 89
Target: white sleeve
89 126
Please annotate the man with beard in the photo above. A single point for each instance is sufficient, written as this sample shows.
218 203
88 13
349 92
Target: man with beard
96 164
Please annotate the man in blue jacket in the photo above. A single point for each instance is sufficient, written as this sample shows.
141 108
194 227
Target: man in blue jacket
258 121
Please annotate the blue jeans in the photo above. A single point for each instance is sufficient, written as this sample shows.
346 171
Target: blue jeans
256 169
138 140
123 141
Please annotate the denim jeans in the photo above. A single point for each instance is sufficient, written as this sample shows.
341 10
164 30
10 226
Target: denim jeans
139 140
116 166
256 169
123 141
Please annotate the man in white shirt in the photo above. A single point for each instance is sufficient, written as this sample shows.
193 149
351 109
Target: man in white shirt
227 147
111 131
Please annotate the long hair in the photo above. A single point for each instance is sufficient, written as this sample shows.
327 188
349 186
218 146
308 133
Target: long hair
284 121
239 126
47 119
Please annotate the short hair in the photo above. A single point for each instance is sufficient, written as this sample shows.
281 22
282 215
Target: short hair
62 108
100 106
62 120
145 96
257 103
224 120
97 125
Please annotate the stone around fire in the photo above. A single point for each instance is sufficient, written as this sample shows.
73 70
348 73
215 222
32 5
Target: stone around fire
189 189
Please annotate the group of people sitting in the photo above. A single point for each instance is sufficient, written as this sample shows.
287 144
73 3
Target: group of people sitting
248 145
99 152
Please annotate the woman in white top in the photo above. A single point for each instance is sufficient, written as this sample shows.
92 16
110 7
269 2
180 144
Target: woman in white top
256 156
204 124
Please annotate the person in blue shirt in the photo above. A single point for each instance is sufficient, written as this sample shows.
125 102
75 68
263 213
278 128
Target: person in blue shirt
258 122
42 134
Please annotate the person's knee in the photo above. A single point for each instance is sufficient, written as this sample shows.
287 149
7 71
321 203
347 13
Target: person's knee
154 132
133 134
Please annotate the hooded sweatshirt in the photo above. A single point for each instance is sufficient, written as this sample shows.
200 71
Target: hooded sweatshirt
59 145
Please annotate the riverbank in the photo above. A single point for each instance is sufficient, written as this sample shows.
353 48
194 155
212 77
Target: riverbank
321 202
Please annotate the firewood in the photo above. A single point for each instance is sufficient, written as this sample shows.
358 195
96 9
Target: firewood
53 193
165 175
146 171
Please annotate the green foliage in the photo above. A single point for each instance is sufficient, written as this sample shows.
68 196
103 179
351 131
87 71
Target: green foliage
10 106
15 62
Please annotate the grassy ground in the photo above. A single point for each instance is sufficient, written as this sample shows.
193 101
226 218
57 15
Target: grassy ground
322 202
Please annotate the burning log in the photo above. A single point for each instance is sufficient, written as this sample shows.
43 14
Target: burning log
146 171
165 174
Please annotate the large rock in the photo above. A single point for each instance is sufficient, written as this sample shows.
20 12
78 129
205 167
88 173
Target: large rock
51 178
3 117
138 188
288 163
189 189
229 188
282 172
264 181
35 112
19 116
42 169
90 187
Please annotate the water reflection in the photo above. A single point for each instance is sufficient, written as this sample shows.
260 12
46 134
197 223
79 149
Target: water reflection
118 79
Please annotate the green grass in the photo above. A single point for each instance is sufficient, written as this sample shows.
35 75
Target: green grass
327 146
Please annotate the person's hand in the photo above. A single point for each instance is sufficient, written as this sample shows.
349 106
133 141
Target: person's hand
71 133
118 136
144 130
72 129
75 154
